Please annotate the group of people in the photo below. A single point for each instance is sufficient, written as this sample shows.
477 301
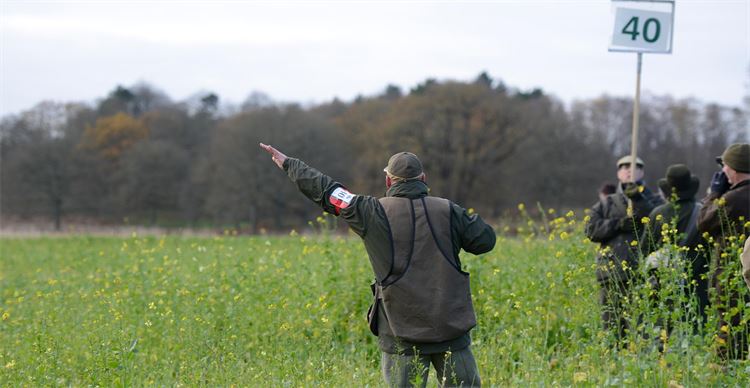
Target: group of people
422 311
632 224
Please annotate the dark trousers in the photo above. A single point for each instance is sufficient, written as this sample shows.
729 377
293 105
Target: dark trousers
612 293
454 369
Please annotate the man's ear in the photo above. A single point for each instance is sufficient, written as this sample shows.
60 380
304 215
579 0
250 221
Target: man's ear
423 178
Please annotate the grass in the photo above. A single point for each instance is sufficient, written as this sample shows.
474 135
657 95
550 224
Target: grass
290 311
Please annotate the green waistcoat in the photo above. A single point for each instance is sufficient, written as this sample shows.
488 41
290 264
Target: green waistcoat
426 296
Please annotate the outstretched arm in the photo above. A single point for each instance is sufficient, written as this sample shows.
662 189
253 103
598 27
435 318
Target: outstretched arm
315 185
330 195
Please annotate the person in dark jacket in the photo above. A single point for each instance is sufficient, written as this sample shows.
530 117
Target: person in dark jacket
615 223
679 214
726 210
422 311
607 188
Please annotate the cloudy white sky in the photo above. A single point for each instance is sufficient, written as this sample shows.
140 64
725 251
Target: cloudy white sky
314 51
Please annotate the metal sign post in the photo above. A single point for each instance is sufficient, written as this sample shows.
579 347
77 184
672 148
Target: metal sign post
636 111
641 26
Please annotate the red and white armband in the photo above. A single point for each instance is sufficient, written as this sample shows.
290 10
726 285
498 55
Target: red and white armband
341 198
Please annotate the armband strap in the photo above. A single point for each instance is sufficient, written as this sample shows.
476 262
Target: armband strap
340 198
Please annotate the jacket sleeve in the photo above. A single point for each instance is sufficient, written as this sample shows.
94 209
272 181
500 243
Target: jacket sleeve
315 185
709 219
363 211
470 232
653 199
318 187
599 228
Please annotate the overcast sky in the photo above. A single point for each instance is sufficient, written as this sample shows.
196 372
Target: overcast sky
314 51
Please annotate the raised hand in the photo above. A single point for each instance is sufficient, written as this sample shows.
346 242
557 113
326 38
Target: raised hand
719 183
277 156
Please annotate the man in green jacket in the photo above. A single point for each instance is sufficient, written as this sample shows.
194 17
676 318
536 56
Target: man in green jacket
615 223
723 217
422 311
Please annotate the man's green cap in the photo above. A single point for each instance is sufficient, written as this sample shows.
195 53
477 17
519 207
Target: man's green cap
404 165
737 156
628 160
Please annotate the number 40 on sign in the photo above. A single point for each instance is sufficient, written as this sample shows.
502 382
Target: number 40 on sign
642 26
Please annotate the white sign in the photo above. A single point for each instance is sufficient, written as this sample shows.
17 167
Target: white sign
643 26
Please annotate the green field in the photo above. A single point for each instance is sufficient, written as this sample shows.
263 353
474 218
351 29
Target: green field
290 311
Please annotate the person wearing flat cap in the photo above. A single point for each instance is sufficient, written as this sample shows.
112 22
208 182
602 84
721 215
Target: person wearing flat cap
422 310
614 223
679 187
724 216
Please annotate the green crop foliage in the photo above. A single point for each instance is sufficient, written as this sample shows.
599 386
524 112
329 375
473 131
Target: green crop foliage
290 311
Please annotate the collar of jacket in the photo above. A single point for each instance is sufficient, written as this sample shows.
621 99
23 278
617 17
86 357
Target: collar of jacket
639 183
740 184
409 189
621 191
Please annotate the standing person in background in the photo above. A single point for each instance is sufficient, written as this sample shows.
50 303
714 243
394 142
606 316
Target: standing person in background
422 311
679 187
615 223
725 211
606 189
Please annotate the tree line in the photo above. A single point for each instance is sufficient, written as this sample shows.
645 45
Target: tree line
138 157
